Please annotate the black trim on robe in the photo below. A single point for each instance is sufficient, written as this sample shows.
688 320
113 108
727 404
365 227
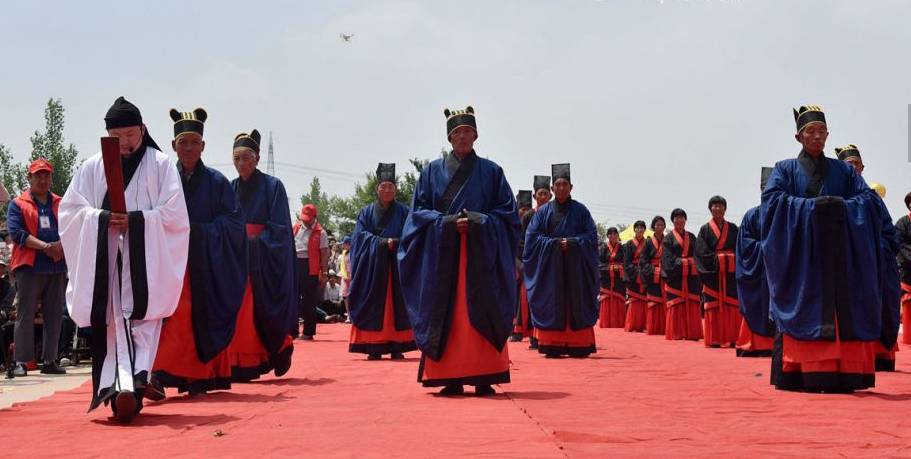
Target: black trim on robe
197 386
391 347
457 179
198 297
99 310
447 273
138 276
583 351
816 170
479 380
830 216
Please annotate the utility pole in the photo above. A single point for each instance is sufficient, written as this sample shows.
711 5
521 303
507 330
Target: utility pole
270 163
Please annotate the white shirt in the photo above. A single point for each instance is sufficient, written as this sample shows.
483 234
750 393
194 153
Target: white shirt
303 236
333 294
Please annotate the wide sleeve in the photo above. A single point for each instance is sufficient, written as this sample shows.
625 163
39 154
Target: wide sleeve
79 234
540 268
426 252
705 256
272 270
158 243
671 259
217 267
903 241
629 268
370 262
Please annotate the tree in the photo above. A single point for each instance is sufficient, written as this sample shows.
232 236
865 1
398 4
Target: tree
602 230
48 145
12 174
318 198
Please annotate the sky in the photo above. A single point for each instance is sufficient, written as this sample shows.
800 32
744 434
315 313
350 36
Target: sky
656 104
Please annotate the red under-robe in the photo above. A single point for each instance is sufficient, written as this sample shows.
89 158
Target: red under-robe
468 357
246 354
177 363
387 340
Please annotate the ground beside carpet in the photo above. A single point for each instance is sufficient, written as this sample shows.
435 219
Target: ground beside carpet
638 396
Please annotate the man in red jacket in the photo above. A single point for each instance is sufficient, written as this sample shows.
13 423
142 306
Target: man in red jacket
312 247
38 264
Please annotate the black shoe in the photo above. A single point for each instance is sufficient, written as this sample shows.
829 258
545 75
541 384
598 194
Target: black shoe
124 406
532 343
515 338
52 369
20 370
484 391
451 390
397 356
307 337
154 390
281 362
374 356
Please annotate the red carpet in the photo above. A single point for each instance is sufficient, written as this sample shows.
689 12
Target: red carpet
639 396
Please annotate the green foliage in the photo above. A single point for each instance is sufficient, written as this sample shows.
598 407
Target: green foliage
12 174
602 230
50 146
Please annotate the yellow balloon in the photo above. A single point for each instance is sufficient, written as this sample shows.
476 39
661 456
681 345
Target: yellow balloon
879 188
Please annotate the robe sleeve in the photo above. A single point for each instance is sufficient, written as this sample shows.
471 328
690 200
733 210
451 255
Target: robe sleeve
493 242
671 260
752 289
428 237
706 257
540 265
79 235
272 271
646 270
217 267
629 268
903 240
165 234
370 262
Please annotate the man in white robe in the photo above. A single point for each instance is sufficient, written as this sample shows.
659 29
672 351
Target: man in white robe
114 260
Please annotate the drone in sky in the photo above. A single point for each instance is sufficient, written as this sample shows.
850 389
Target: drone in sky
346 36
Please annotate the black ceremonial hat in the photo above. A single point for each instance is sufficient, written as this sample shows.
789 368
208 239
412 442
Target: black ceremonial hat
122 114
847 151
524 198
558 171
188 122
385 172
456 118
542 181
251 140
807 115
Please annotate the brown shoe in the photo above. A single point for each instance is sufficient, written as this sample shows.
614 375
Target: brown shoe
124 406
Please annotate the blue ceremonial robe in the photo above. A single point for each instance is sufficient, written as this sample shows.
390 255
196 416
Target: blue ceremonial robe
429 251
810 207
371 262
752 287
558 282
217 261
271 257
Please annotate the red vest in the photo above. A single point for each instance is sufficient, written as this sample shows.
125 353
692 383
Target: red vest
22 255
